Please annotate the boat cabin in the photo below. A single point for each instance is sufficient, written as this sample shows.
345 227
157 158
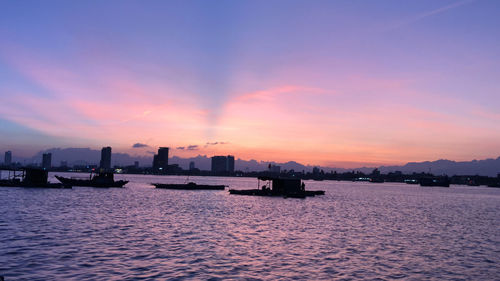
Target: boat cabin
36 176
279 185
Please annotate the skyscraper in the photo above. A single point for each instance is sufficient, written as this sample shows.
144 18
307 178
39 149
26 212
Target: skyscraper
160 160
230 163
8 158
222 164
47 160
105 158
219 164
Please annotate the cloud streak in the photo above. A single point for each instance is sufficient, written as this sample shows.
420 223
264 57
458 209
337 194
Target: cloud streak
189 147
139 145
424 15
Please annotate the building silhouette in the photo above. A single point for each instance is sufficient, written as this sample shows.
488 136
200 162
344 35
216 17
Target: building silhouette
315 171
8 158
222 164
230 163
47 160
274 169
105 158
160 160
191 165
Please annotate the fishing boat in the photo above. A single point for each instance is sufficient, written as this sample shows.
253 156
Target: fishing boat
279 186
102 179
189 186
30 177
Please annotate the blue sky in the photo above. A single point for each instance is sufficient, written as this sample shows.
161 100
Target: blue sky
367 81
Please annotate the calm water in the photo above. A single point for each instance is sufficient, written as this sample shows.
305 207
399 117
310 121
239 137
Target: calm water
356 231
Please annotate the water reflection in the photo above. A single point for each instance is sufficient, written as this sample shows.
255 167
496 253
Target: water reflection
357 230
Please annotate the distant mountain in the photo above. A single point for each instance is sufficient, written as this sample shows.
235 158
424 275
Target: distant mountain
201 162
86 156
487 167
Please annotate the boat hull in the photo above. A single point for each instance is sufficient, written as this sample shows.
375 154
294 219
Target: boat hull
90 183
14 183
189 186
267 192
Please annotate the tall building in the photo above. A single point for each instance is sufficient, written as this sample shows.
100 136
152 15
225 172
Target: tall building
8 158
230 163
274 169
47 160
105 158
223 164
160 160
191 165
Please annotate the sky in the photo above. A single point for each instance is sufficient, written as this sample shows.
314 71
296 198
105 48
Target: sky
331 83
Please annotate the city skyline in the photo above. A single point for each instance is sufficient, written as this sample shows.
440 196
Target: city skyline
341 84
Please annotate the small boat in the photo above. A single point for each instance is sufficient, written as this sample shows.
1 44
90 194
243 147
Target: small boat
494 184
31 177
189 186
279 186
104 179
435 181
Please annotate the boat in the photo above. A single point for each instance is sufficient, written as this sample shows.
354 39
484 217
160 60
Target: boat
411 181
435 181
102 179
189 186
279 186
495 182
473 183
30 177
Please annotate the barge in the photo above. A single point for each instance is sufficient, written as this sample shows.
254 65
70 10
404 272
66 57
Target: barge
279 186
103 179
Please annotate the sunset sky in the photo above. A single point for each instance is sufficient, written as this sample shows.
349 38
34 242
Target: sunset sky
333 83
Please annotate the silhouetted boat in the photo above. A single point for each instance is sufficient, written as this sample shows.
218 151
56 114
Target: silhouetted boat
278 186
189 186
494 184
473 183
436 181
31 177
104 179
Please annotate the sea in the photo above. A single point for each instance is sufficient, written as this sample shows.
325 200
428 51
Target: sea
356 231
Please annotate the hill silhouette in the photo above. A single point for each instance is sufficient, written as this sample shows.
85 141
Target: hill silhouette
88 156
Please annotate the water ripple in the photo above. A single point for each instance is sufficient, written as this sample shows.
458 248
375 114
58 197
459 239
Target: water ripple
356 231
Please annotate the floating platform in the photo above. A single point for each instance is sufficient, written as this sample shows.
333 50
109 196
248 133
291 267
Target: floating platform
189 186
31 178
15 183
